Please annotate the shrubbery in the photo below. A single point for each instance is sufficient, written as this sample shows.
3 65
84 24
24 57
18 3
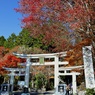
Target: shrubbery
90 92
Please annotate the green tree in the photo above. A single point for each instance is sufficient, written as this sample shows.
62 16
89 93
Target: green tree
2 40
10 42
24 38
28 41
40 81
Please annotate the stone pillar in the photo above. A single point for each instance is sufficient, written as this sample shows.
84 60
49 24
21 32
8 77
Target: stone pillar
74 84
27 73
56 71
88 67
12 79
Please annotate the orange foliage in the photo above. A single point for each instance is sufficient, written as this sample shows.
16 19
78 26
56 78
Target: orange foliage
74 56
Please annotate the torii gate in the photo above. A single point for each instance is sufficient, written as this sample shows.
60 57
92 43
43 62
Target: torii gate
35 56
13 73
88 67
73 74
56 62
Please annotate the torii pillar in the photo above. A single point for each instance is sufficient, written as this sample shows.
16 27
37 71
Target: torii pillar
56 72
27 73
74 82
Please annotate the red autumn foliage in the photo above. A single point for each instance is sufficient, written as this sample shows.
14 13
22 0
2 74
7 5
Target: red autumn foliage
78 14
9 60
77 11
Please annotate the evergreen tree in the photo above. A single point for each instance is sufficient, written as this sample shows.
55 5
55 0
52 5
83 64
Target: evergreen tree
2 40
24 38
10 42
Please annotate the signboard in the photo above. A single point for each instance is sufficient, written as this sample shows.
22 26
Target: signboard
88 67
41 60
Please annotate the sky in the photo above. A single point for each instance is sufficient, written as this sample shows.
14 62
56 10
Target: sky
9 18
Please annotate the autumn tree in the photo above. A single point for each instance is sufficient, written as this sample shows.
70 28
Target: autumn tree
8 59
75 58
41 17
78 14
